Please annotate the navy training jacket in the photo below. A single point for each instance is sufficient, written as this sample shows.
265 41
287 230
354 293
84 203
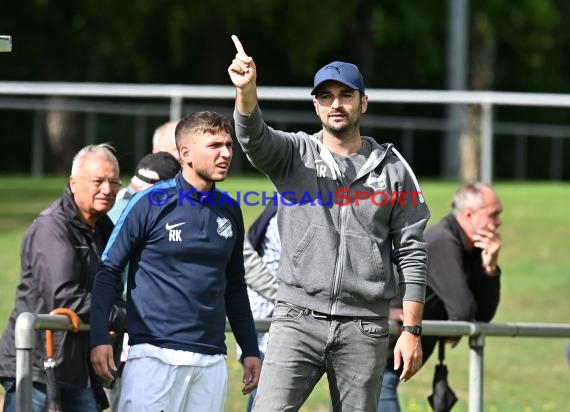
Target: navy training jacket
186 271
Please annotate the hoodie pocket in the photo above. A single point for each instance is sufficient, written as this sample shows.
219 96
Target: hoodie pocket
314 259
363 276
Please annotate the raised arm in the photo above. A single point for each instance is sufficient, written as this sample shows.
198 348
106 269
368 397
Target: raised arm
243 74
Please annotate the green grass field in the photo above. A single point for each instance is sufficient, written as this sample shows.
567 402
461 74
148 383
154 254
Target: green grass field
521 374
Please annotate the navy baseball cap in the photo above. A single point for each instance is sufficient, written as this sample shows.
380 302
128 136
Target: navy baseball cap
342 72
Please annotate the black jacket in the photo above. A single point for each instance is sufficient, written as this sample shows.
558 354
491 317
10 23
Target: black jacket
457 287
59 258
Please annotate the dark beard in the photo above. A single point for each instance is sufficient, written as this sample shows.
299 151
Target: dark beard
337 131
340 131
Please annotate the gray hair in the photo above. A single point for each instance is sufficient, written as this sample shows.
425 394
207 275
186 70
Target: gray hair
470 195
104 150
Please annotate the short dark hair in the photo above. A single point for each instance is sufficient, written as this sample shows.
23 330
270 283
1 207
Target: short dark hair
203 122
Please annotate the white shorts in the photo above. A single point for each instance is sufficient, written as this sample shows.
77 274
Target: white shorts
150 385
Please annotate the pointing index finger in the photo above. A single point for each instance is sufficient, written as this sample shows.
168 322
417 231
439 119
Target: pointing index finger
238 45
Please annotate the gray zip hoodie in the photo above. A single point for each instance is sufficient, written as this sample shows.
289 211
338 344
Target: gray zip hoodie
340 239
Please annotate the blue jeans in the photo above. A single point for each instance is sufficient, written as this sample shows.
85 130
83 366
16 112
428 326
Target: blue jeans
72 400
303 346
250 400
39 396
389 394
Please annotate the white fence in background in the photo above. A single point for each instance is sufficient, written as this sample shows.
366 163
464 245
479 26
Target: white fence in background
28 322
176 95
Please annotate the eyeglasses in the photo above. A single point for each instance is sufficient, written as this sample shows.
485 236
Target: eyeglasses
97 182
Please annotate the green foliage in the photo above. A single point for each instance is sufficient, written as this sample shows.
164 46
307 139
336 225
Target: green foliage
529 36
399 44
513 46
411 36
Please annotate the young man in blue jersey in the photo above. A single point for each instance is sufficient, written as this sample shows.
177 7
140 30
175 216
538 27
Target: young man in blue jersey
151 169
184 244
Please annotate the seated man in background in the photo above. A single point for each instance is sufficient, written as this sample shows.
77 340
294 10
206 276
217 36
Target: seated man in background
59 258
463 276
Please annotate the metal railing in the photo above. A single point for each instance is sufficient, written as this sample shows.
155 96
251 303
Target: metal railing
28 322
177 94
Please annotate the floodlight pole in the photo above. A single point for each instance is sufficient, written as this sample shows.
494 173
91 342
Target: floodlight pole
456 79
5 43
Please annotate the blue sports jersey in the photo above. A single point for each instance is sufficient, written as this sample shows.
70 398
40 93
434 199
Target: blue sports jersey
186 274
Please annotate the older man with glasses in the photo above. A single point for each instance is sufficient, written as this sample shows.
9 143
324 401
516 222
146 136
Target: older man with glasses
59 257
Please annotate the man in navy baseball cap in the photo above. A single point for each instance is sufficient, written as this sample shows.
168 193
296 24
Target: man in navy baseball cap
342 72
323 160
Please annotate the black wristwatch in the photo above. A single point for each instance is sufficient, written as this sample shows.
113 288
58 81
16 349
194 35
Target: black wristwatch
416 329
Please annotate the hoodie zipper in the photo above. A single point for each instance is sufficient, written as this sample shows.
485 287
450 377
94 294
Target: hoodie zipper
337 276
339 267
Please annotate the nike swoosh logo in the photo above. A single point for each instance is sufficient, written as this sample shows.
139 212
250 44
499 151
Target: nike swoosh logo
170 227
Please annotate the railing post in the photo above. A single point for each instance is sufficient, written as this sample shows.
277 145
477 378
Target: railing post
24 342
487 143
175 108
477 345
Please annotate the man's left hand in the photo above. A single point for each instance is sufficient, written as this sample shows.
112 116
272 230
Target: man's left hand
251 371
409 350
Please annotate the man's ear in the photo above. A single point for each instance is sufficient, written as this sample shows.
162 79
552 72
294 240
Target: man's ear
185 153
72 183
315 104
363 103
467 218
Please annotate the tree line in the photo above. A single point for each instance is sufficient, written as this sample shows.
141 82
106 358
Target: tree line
513 46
